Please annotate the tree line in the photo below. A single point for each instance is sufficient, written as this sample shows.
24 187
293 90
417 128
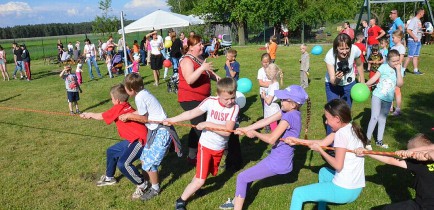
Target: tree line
42 30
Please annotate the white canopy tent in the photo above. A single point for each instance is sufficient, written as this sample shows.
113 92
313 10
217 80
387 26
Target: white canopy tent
160 20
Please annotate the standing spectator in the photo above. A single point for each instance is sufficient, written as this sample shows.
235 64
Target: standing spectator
348 30
70 48
156 56
3 64
304 66
341 73
415 32
59 49
100 50
136 48
194 86
285 33
374 35
397 24
142 51
120 45
26 61
365 32
77 45
110 46
19 65
272 48
361 46
90 53
175 51
183 39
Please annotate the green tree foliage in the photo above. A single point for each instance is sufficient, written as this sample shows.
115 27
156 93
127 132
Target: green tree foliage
105 23
42 30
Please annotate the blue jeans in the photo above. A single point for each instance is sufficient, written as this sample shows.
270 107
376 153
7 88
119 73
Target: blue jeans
91 60
322 192
413 48
338 92
143 57
19 66
175 63
122 155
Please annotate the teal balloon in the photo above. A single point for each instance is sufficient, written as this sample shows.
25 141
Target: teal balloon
244 85
360 92
316 50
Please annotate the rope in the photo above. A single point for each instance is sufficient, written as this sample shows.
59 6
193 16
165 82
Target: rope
191 126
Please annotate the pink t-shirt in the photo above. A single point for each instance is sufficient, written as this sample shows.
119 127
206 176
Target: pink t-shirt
136 66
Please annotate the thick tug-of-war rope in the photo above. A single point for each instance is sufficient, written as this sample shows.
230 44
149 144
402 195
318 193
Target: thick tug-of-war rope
192 126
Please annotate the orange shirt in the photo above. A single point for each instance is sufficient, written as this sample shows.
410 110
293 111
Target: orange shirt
136 48
272 48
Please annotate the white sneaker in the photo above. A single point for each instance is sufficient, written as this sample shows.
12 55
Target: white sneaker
139 191
368 147
104 181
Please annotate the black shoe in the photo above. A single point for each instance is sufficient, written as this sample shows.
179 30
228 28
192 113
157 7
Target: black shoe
180 204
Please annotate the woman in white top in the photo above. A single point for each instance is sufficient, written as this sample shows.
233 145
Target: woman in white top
3 64
343 183
341 75
90 53
156 56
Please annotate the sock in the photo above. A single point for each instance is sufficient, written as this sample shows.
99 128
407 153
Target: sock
143 185
192 152
156 186
165 72
415 70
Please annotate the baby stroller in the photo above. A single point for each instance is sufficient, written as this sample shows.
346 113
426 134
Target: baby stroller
226 42
172 83
117 64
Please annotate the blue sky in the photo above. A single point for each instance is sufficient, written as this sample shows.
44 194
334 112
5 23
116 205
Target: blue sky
70 11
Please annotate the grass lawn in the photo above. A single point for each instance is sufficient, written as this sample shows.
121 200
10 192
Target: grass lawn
52 161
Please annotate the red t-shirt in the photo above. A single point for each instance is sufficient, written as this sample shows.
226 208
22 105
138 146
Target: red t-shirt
197 91
373 32
130 130
362 48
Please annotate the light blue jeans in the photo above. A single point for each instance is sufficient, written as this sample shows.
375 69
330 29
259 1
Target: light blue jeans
322 192
91 60
338 92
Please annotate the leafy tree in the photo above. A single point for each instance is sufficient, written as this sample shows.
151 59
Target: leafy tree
105 23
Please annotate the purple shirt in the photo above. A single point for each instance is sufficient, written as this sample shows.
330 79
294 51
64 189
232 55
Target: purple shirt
280 158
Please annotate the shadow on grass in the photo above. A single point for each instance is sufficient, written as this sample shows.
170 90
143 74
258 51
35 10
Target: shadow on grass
42 74
59 131
7 99
96 105
298 163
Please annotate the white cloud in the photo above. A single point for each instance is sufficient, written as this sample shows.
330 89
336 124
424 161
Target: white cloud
72 11
140 4
14 7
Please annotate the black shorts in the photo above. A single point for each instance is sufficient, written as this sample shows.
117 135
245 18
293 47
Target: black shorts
156 62
72 96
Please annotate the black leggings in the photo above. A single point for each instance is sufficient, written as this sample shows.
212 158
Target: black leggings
194 135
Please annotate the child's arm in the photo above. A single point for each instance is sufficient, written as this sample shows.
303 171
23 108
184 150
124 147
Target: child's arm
373 78
62 73
264 83
268 99
91 115
324 142
384 159
229 125
360 69
260 124
272 137
187 115
399 80
232 71
401 58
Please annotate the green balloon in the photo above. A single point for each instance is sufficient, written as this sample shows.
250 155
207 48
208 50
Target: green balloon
360 92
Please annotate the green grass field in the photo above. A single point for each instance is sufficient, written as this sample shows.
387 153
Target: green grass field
52 161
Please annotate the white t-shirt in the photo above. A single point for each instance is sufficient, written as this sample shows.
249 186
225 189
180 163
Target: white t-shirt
155 47
273 108
352 175
262 76
89 49
351 76
70 47
147 103
217 114
401 50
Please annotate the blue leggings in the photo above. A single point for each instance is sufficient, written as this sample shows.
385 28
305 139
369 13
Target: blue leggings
323 192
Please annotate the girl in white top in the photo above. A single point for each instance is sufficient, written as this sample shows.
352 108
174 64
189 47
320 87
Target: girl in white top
273 73
3 64
343 183
263 81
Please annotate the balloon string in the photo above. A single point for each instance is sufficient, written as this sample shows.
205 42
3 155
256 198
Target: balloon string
192 126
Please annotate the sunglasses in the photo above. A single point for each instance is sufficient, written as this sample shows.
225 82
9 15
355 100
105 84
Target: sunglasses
392 12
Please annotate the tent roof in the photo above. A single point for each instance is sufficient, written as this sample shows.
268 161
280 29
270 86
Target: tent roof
160 20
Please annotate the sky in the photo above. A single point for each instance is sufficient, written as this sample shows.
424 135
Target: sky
71 11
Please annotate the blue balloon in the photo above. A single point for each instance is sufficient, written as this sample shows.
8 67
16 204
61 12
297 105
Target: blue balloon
244 85
316 50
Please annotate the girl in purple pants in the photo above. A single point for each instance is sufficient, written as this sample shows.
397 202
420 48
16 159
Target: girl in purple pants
280 159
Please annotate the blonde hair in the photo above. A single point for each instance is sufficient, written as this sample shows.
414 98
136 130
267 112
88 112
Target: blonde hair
228 85
273 71
398 33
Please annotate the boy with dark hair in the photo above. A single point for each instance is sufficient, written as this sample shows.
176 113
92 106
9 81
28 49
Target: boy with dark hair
123 153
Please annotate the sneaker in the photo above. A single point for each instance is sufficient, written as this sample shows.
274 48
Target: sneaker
368 147
104 181
138 193
228 205
384 146
397 112
180 204
418 73
77 111
71 113
150 193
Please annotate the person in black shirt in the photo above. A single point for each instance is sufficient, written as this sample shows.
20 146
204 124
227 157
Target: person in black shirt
19 65
143 53
26 61
175 51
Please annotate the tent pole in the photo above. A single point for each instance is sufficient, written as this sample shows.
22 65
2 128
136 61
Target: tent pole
124 43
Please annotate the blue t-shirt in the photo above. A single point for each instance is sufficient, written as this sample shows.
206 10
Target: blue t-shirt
235 67
280 158
386 86
398 22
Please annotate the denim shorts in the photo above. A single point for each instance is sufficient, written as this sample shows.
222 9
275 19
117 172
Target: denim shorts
152 155
413 48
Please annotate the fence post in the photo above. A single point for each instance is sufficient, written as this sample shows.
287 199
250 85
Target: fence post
43 48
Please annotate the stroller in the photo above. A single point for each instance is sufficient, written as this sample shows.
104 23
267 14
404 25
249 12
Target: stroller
172 83
226 42
117 64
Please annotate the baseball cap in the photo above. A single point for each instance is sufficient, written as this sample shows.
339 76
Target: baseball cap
294 92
